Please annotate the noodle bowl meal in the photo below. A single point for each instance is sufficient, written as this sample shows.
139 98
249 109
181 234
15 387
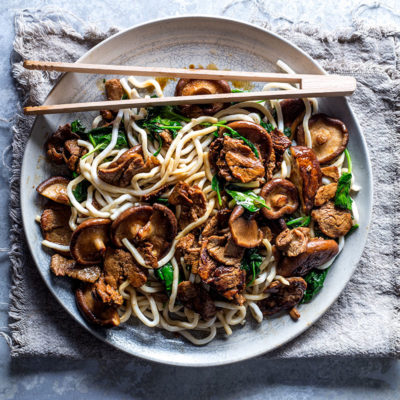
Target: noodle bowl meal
197 217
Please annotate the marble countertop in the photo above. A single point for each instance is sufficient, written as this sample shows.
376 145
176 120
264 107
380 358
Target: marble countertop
255 379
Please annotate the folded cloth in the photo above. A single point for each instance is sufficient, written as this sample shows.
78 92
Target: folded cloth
365 319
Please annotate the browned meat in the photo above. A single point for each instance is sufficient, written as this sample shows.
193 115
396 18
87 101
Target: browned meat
192 201
119 265
270 166
293 242
224 250
55 144
107 115
207 264
154 195
218 224
291 109
280 143
331 172
324 194
107 294
238 163
283 297
72 153
121 172
318 252
61 266
188 248
166 138
197 299
332 221
55 224
114 90
230 282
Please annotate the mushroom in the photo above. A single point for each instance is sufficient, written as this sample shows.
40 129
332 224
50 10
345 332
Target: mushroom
329 137
55 144
193 87
93 309
306 175
244 228
281 197
54 224
291 109
224 250
88 241
318 252
55 188
151 228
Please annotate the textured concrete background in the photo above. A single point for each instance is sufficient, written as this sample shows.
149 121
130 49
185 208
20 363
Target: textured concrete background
254 379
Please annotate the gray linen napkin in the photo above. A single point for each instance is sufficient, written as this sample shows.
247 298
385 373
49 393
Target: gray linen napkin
365 319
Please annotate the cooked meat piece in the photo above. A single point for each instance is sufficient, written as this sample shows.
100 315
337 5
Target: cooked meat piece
330 172
188 248
166 138
120 265
55 144
72 152
332 221
218 224
146 249
207 264
238 163
270 166
280 143
130 163
61 266
192 201
224 250
293 242
283 297
114 90
229 282
55 224
107 294
197 299
324 194
318 252
154 195
107 115
291 109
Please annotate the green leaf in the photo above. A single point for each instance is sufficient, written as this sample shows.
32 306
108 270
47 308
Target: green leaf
216 186
342 197
352 229
349 162
160 143
80 191
287 131
269 127
249 200
251 263
315 281
299 222
166 275
77 127
162 200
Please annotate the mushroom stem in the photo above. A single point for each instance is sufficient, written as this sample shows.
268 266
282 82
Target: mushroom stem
99 244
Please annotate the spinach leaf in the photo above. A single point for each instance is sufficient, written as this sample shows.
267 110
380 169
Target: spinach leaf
166 275
269 127
315 281
159 124
216 186
299 222
249 200
162 200
251 263
352 229
342 197
80 191
287 131
77 127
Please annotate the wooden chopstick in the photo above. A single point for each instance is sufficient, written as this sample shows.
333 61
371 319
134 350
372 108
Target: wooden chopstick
310 86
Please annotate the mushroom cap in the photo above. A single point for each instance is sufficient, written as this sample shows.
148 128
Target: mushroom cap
55 188
244 228
128 223
318 252
94 310
281 197
256 134
88 241
193 87
291 109
329 137
306 175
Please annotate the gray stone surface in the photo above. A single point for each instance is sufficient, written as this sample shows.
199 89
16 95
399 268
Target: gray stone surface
254 379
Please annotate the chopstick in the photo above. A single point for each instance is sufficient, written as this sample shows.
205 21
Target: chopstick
310 86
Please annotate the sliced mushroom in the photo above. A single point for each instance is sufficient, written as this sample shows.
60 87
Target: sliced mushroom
283 297
281 197
293 242
306 175
54 224
55 188
244 228
224 250
329 137
332 221
291 109
193 87
151 228
318 252
89 241
93 309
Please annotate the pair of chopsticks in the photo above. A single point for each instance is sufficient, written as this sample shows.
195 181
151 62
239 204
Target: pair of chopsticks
309 86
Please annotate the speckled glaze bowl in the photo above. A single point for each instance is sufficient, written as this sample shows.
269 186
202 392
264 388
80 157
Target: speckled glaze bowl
179 42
